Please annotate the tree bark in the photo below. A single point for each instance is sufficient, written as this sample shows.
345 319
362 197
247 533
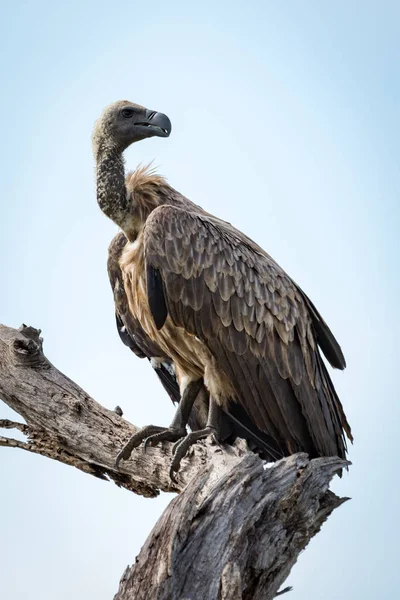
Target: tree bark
237 537
233 533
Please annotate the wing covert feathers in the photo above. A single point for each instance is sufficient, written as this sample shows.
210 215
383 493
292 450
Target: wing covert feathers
260 327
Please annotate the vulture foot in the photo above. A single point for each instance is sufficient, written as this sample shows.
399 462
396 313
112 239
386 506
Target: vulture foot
136 440
181 447
171 434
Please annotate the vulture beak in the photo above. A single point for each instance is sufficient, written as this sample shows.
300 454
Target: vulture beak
154 124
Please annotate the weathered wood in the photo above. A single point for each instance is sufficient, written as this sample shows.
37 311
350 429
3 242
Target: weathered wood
237 537
233 533
64 423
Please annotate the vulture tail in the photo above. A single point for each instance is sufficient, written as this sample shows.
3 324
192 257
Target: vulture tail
168 381
259 442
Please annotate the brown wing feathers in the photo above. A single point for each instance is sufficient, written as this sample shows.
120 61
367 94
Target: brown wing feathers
156 297
259 326
325 337
129 329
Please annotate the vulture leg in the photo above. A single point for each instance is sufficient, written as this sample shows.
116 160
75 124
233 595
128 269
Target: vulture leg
181 447
177 429
153 434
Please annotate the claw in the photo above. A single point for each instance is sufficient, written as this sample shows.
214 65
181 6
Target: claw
135 441
181 447
123 455
172 475
167 435
153 435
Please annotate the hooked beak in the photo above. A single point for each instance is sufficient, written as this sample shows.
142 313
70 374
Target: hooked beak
154 124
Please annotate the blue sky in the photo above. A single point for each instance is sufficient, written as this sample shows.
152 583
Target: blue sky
286 123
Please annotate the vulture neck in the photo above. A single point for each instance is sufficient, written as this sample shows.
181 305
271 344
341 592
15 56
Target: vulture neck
112 195
127 201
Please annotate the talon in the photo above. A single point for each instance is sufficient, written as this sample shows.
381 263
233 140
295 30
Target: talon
180 448
172 475
120 456
175 446
146 444
126 451
135 441
167 435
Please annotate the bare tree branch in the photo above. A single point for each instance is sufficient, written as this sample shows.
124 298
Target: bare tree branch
237 528
236 537
64 423
12 443
7 424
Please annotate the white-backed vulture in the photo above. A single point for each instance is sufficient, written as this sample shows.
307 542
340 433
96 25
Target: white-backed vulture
219 307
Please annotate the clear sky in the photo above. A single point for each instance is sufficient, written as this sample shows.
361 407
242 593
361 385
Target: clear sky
285 122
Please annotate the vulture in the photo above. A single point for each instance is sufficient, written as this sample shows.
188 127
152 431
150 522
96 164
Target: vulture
235 341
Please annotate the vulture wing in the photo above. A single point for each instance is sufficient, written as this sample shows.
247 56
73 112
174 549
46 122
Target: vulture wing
129 329
263 331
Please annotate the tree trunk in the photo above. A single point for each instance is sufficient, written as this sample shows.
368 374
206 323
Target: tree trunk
235 530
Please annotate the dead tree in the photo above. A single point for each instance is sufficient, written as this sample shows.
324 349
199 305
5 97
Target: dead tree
237 526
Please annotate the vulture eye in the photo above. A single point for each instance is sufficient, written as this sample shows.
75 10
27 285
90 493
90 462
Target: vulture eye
127 112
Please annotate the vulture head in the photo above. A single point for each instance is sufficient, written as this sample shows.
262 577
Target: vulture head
123 123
